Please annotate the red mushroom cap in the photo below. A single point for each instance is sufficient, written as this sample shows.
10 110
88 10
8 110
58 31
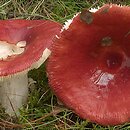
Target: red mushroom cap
38 35
89 68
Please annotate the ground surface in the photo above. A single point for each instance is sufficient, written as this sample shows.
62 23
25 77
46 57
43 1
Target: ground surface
43 111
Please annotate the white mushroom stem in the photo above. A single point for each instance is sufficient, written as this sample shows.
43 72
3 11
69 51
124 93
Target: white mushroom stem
14 93
14 90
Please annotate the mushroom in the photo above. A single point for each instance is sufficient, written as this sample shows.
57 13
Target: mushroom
89 67
24 45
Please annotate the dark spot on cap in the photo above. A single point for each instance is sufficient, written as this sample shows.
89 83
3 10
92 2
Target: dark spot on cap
86 16
106 41
105 10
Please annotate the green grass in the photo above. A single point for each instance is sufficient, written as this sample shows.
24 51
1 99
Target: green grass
42 111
